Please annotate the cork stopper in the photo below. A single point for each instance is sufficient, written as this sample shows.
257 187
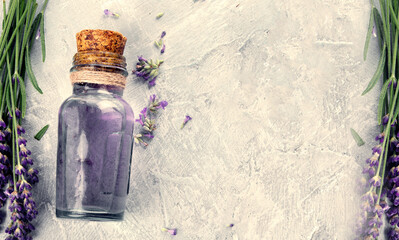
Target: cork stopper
90 40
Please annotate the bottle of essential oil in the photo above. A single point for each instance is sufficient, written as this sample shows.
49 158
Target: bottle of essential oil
95 132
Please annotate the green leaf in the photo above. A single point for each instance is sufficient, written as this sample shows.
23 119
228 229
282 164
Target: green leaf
395 20
378 71
29 71
44 6
395 115
357 138
8 100
23 96
381 101
379 25
34 28
42 40
42 131
370 30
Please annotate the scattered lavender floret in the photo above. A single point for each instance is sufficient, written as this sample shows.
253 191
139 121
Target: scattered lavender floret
159 15
188 118
163 49
171 231
147 121
107 12
147 70
160 43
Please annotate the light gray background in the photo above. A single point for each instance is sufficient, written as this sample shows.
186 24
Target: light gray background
273 88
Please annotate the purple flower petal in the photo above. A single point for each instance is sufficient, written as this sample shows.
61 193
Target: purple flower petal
144 112
141 59
108 12
163 49
375 181
148 135
152 98
2 124
163 104
152 82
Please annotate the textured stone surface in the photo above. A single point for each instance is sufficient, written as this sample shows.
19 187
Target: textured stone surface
273 88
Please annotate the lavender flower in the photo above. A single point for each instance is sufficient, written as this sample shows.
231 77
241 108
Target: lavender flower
23 151
373 206
142 116
155 104
373 161
375 181
147 70
109 13
188 118
394 234
380 137
163 49
31 175
385 119
152 82
20 130
4 147
171 231
19 169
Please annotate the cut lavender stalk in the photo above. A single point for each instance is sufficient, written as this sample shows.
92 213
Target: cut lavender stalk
382 195
147 120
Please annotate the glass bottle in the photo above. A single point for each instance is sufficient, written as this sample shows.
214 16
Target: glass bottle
95 132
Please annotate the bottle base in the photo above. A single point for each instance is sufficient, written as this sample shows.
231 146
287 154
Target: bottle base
93 216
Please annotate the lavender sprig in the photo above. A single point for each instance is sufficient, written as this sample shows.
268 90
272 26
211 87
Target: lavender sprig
147 120
20 27
382 169
147 70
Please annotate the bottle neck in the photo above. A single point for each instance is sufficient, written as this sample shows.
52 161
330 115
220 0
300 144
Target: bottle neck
92 88
98 69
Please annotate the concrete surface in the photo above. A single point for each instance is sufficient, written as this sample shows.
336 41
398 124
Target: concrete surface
273 88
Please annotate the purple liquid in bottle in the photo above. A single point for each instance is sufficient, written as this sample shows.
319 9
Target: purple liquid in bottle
94 153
